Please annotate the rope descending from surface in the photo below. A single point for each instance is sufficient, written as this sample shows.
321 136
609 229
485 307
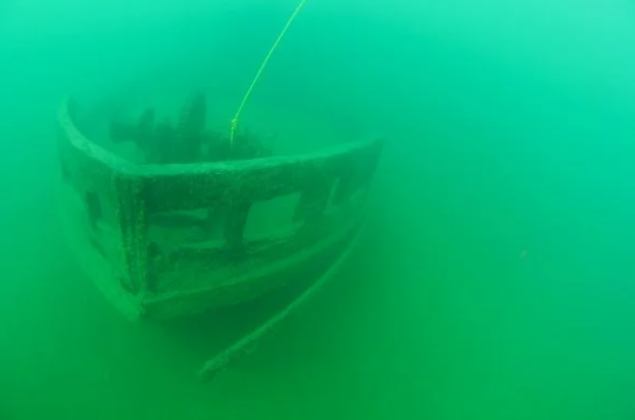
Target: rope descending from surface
234 121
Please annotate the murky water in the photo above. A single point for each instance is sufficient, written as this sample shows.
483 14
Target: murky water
494 280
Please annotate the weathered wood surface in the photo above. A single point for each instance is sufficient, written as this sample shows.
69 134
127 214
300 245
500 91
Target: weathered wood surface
85 164
184 278
193 186
186 187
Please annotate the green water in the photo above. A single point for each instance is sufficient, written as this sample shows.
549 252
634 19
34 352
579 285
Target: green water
495 280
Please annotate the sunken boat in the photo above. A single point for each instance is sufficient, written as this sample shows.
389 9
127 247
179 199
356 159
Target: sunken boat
163 233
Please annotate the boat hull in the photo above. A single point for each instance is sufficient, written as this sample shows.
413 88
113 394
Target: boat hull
166 241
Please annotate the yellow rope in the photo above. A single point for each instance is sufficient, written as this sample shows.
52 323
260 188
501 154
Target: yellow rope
234 121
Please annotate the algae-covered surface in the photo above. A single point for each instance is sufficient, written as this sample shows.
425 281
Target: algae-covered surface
494 279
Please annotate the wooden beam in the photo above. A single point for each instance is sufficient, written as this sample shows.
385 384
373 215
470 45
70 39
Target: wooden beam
244 346
190 187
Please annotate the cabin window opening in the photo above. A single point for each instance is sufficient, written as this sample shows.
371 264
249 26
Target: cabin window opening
272 217
341 193
314 201
66 173
93 205
171 230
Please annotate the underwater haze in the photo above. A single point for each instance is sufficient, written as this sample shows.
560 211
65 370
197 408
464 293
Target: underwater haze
496 277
